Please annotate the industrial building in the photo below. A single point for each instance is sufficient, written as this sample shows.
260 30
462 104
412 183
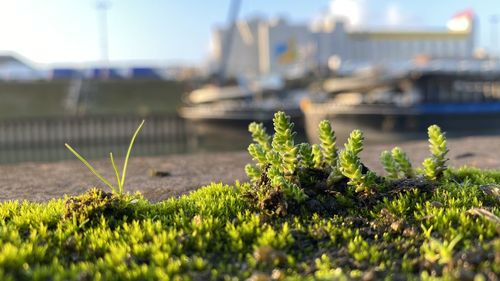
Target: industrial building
260 47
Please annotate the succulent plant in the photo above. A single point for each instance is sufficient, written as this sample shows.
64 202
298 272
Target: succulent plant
328 139
435 165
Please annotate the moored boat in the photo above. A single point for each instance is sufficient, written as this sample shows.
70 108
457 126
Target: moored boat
224 113
242 103
463 97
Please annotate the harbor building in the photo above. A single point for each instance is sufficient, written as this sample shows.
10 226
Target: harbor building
259 47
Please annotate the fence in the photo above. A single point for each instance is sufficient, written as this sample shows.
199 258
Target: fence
42 139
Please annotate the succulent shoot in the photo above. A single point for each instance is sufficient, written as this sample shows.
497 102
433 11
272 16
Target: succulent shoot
351 168
283 142
396 164
317 156
327 138
253 172
403 163
436 164
389 165
258 153
274 159
293 191
275 176
259 135
355 142
306 155
350 164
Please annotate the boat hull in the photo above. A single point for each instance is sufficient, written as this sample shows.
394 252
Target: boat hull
235 116
211 128
386 124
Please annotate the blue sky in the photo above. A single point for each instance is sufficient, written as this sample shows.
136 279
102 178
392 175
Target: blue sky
172 31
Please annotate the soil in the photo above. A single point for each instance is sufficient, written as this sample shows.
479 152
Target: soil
158 178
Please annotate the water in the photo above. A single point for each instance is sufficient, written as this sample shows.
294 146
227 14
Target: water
42 140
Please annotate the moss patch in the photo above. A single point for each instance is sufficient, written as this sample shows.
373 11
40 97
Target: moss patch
96 203
216 233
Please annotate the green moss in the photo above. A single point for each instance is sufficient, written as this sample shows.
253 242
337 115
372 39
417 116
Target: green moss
300 218
214 233
89 207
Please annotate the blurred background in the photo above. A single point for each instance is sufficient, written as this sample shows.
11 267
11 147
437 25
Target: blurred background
86 72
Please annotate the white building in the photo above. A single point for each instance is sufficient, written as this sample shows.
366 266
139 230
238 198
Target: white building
261 47
12 67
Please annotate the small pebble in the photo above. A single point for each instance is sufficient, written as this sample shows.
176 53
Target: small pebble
436 204
259 276
159 174
277 274
396 226
368 276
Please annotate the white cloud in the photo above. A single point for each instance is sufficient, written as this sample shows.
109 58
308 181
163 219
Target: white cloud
350 10
362 13
394 16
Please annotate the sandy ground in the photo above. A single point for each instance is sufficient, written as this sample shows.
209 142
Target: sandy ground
41 182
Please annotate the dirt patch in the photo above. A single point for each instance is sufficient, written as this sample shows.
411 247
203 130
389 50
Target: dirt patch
43 181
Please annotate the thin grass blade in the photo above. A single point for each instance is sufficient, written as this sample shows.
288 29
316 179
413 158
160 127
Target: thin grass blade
120 186
105 181
128 153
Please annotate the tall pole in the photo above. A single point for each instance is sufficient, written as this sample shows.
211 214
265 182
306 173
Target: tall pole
494 35
102 9
228 40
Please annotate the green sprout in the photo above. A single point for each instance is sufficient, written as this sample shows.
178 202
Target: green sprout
120 180
355 142
436 164
283 141
274 159
258 150
258 153
259 135
396 164
275 176
294 192
327 138
389 164
403 162
317 156
306 155
350 164
441 252
253 172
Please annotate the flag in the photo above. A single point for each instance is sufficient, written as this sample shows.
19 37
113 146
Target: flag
461 21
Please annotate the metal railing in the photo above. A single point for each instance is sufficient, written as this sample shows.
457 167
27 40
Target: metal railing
42 139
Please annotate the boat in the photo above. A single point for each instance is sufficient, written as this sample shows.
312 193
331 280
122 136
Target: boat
243 103
215 113
461 96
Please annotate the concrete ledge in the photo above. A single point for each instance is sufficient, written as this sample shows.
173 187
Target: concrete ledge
41 182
